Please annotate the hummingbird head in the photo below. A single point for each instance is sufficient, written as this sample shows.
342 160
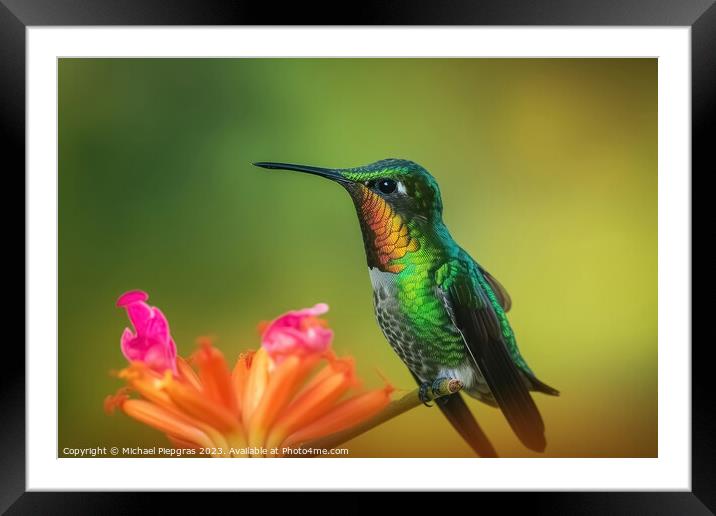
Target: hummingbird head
403 185
396 201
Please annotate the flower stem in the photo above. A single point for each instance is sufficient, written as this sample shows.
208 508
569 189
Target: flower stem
395 408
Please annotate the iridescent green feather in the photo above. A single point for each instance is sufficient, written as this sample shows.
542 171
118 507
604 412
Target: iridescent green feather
425 311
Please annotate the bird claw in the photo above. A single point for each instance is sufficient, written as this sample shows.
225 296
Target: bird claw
434 387
423 393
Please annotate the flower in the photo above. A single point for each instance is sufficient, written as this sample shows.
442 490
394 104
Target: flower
291 390
297 333
151 343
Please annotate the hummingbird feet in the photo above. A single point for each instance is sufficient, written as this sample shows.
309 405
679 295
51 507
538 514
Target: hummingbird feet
423 394
432 391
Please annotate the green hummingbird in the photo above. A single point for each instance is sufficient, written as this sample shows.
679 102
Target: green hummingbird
440 310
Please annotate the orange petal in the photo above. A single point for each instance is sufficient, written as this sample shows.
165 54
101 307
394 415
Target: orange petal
196 405
180 443
239 377
283 383
162 420
335 364
312 404
349 413
148 384
261 327
153 390
256 384
214 375
342 369
137 370
114 401
188 374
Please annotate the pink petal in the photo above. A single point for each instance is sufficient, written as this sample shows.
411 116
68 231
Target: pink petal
125 343
297 332
151 341
159 358
319 338
318 309
157 327
139 314
172 347
133 296
293 318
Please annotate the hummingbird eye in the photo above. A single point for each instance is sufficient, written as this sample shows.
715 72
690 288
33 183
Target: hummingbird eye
387 186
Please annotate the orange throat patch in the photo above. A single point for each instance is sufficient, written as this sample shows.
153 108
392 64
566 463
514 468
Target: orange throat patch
385 231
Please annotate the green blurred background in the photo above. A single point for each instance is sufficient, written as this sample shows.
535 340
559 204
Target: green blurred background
548 169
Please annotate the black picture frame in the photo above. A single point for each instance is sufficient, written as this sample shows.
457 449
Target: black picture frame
700 15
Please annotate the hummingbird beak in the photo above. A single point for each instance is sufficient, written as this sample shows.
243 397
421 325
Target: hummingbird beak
328 173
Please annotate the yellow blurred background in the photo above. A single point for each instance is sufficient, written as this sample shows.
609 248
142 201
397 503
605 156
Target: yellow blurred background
548 169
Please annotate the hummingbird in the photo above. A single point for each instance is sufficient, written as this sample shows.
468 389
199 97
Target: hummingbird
438 308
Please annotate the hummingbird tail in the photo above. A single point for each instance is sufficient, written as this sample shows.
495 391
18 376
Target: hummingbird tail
456 411
540 386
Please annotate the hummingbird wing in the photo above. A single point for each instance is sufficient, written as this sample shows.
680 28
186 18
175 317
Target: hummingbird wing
473 314
500 292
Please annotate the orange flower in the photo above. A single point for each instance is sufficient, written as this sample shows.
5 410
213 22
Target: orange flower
292 390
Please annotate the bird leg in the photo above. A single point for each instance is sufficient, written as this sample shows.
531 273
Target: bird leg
439 387
423 393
